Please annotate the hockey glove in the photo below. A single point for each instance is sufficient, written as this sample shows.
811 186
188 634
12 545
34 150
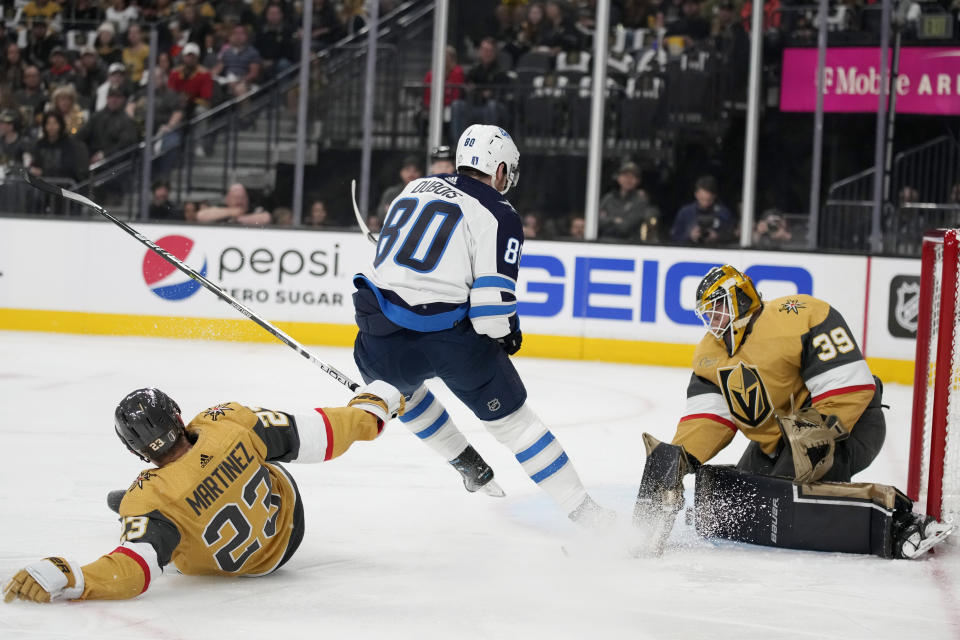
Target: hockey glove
661 494
46 580
812 439
379 398
511 342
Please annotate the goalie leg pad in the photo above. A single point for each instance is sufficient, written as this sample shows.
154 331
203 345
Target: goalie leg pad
776 512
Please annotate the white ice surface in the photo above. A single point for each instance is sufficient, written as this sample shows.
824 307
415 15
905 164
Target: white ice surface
395 548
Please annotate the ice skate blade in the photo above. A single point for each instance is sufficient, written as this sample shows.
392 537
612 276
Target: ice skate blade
493 489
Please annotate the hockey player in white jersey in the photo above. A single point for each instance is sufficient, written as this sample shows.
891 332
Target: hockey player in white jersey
439 301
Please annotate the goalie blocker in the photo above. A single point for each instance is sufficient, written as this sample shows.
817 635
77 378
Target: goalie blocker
821 516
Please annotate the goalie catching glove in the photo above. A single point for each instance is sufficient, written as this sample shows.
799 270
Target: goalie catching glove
46 580
379 398
812 438
661 494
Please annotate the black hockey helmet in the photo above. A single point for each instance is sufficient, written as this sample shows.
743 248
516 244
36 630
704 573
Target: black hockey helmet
148 423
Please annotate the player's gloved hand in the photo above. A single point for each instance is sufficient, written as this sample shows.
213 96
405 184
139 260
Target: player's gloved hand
511 342
46 580
812 438
379 398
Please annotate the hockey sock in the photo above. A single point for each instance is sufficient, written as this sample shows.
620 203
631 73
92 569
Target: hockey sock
429 421
541 456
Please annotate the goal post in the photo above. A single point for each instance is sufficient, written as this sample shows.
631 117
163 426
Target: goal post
934 474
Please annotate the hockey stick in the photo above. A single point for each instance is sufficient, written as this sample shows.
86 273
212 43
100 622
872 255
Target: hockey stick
42 185
356 211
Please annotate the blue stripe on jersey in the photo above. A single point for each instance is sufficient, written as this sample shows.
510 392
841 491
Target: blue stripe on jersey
492 310
550 469
408 319
495 281
535 448
417 411
433 428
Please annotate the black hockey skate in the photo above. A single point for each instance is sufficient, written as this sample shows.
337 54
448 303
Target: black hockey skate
114 498
914 534
477 474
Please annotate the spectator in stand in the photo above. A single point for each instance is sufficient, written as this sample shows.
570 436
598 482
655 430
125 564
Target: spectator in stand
318 217
691 26
116 79
90 74
41 41
705 220
14 147
282 217
733 45
772 230
168 115
235 208
531 226
484 100
60 73
326 28
11 68
411 169
190 210
374 223
32 97
64 101
275 41
441 161
121 15
161 208
577 228
452 88
106 44
14 155
353 15
43 11
136 53
532 32
562 34
236 12
239 63
58 156
110 129
178 38
192 81
195 25
626 213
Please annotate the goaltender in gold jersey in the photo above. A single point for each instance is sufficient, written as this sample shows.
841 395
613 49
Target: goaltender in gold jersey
218 502
787 374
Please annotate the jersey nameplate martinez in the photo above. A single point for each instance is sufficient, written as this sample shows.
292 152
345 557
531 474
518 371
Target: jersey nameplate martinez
745 393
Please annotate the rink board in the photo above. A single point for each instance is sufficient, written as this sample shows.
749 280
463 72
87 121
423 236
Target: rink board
621 303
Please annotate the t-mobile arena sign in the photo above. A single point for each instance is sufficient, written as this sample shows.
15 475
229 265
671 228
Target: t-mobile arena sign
928 80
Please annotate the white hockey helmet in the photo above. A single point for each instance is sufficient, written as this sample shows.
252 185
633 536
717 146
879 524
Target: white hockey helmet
484 147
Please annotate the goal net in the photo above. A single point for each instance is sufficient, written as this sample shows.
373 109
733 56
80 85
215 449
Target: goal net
934 473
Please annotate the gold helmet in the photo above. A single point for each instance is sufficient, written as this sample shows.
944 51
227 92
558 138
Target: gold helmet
726 302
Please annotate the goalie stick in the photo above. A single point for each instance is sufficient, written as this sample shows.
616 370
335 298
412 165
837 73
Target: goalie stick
371 236
42 185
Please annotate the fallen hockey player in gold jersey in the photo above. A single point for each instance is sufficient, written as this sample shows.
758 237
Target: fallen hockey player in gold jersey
217 502
788 375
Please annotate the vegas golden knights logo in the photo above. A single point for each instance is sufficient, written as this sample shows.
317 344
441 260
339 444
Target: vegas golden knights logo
745 394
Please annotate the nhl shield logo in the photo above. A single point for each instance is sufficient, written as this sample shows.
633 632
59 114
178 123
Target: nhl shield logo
494 404
745 393
903 313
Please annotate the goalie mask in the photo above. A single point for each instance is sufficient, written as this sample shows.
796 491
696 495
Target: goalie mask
485 147
726 303
148 422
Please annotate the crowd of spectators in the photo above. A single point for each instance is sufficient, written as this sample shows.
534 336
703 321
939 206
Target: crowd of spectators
73 75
